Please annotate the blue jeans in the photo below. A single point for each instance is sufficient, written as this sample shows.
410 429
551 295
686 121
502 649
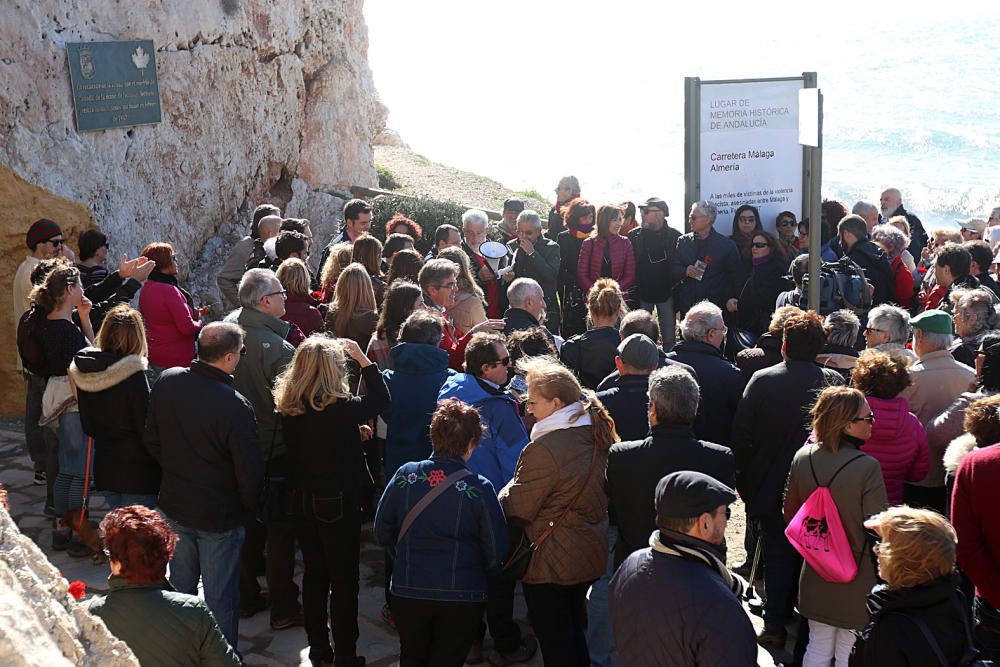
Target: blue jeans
116 500
215 557
667 317
600 641
72 445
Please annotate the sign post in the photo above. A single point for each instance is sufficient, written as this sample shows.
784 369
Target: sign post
743 146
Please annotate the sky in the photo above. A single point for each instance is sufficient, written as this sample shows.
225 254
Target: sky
525 92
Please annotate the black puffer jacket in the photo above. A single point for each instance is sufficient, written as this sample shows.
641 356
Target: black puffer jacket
892 639
113 394
591 355
756 301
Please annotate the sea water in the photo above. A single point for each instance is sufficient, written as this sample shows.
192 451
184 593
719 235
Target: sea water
526 92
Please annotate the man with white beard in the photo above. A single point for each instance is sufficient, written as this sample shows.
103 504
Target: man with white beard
892 204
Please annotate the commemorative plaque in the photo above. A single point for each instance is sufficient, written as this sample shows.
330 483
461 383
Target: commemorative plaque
114 84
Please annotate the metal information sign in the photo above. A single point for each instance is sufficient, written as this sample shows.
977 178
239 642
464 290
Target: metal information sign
114 84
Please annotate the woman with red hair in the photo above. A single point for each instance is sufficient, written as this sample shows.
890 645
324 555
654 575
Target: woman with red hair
400 224
172 322
141 609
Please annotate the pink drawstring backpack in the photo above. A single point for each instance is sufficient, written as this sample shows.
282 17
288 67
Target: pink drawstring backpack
818 534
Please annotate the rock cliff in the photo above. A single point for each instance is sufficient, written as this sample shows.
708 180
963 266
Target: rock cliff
42 626
256 95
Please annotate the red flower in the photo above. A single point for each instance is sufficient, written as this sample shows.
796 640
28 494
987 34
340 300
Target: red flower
708 260
435 477
77 589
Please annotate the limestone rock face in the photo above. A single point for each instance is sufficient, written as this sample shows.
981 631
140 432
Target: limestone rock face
41 624
254 94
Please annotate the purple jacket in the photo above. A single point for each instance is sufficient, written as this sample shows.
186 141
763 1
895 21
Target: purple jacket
899 442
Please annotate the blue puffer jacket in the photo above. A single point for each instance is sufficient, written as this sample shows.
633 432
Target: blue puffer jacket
504 436
419 371
452 545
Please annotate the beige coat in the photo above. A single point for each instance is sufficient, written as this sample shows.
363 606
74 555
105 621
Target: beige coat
467 312
859 493
937 381
549 474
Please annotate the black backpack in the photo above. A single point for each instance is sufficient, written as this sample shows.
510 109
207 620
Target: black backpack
29 344
842 286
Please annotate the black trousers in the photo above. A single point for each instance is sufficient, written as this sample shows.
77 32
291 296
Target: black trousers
987 629
435 633
559 616
781 576
500 615
328 528
272 545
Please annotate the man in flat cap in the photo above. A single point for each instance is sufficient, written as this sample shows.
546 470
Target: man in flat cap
653 243
508 221
675 603
937 380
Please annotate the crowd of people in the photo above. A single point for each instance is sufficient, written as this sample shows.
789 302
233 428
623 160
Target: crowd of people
569 404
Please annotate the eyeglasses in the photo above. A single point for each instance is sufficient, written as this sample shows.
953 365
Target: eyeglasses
870 418
758 246
874 330
787 223
451 285
501 362
696 217
729 513
56 242
279 292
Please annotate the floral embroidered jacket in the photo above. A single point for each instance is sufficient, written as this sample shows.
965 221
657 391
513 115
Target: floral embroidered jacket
452 545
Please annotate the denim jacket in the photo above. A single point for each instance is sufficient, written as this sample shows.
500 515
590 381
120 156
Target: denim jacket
453 544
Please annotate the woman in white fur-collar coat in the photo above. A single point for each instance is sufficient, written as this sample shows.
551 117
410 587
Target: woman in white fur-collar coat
112 393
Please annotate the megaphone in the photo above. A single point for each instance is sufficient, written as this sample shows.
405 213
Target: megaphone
493 251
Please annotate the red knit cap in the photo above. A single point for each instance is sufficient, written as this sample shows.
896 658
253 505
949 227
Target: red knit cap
42 230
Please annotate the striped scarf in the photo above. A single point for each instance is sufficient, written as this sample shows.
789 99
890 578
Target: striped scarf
683 546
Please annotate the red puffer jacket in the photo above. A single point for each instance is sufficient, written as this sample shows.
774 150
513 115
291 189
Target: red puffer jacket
588 270
899 442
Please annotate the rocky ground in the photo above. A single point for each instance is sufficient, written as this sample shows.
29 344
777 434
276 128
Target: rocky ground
419 176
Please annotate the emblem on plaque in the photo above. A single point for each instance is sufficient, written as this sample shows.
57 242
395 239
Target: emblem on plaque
87 64
140 59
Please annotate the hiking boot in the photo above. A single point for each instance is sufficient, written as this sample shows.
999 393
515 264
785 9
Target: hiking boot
522 653
288 622
773 640
475 656
62 538
252 607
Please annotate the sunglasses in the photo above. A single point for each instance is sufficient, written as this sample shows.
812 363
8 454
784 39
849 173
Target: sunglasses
759 246
787 223
501 362
870 418
56 242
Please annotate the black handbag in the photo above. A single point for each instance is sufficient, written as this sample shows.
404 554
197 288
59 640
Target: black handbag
519 559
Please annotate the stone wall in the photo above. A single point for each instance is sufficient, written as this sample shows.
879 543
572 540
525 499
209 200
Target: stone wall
42 625
256 95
